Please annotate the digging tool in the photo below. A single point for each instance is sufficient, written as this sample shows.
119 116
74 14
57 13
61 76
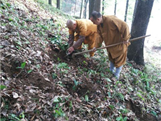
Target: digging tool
137 38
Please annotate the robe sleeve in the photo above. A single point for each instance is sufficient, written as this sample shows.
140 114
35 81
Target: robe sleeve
79 42
122 28
98 41
71 38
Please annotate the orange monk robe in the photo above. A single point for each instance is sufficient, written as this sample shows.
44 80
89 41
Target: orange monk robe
114 31
89 30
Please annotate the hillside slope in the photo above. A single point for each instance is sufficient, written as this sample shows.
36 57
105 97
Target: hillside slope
39 83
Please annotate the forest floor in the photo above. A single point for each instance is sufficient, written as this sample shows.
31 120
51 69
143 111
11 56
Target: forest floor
40 83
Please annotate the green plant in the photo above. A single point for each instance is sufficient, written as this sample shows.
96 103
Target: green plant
58 41
22 115
63 65
8 4
86 98
124 110
54 75
120 118
13 117
76 83
84 62
59 113
3 119
111 107
22 65
119 96
29 71
57 99
2 87
58 59
140 96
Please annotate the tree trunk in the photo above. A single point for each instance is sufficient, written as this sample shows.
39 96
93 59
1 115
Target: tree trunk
103 7
91 7
97 5
50 2
85 9
94 5
139 26
1 2
127 4
58 4
75 7
115 7
81 9
135 8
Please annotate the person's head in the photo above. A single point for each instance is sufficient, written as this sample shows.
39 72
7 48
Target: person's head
71 24
96 17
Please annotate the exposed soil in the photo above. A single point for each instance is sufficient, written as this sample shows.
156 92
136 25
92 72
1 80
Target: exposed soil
42 91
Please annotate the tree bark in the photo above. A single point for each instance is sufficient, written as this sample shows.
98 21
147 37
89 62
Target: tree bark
115 7
50 2
127 4
91 7
139 26
58 4
97 5
1 2
94 5
103 7
135 8
85 9
81 9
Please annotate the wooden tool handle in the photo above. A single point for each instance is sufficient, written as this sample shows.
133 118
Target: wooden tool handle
137 38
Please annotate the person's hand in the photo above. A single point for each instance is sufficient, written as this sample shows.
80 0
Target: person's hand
70 50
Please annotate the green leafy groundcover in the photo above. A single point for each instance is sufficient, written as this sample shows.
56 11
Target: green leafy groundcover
39 84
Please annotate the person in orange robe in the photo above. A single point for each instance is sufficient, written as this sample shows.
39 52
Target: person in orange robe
112 30
81 31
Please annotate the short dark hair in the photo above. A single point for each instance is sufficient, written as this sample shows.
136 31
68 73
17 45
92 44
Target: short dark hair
96 15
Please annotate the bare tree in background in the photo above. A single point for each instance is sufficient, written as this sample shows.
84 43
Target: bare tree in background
58 4
50 2
91 6
75 6
136 3
97 5
140 22
103 7
127 4
82 2
94 5
115 7
85 9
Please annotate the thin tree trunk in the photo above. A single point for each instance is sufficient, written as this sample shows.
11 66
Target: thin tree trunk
58 4
94 5
135 8
127 4
85 9
91 7
97 5
75 6
103 7
81 8
139 27
1 2
50 2
115 7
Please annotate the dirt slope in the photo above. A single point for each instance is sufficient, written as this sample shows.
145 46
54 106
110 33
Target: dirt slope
38 83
